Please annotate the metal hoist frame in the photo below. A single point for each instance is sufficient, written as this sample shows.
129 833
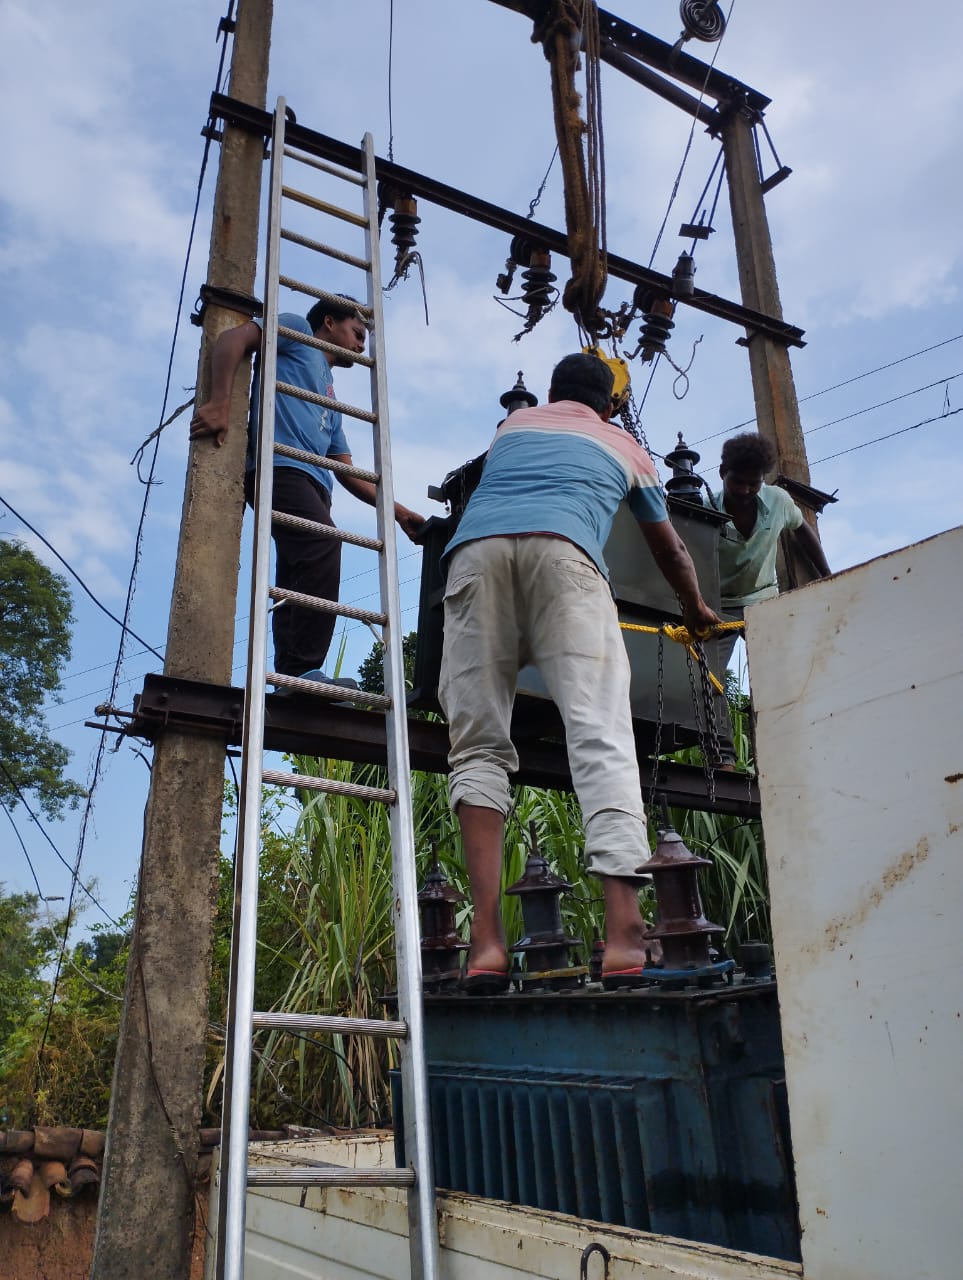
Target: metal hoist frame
235 1176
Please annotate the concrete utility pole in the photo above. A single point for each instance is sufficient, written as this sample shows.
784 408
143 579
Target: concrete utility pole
777 408
146 1215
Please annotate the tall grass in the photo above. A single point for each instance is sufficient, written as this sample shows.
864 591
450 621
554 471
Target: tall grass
331 905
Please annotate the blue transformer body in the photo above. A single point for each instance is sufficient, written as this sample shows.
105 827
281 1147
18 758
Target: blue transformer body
659 1110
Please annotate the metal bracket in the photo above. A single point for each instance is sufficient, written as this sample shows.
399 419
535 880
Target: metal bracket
230 299
600 1249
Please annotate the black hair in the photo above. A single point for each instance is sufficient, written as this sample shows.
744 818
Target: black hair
583 378
749 452
325 307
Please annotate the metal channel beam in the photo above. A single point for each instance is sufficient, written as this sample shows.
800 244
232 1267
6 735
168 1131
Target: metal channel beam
311 726
244 116
623 35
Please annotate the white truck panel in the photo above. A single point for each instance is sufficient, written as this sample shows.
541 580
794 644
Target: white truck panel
858 688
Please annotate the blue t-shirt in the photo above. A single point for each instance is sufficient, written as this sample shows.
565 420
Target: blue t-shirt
299 423
558 468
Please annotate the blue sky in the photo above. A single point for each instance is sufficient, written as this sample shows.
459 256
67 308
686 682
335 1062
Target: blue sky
102 110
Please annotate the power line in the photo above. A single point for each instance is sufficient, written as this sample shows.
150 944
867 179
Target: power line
79 579
16 832
891 364
882 404
43 831
889 436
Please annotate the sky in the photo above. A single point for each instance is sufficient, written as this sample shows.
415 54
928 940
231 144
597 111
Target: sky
102 110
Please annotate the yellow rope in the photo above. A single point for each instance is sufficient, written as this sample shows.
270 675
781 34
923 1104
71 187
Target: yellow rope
682 635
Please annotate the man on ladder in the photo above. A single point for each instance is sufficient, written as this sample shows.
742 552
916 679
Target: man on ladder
304 562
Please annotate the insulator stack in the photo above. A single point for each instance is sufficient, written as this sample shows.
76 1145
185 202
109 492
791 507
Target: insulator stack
681 926
440 943
538 292
684 482
545 945
656 328
404 228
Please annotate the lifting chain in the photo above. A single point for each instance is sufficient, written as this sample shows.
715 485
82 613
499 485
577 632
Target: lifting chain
659 717
708 735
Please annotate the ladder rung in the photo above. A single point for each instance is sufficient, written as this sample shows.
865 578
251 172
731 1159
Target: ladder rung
322 206
329 606
326 531
346 174
327 1023
322 690
287 389
330 464
329 348
328 785
328 250
330 1176
323 296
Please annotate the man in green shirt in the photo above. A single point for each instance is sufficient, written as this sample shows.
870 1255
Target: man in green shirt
760 513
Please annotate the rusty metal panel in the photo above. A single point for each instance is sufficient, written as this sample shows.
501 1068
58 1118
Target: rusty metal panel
858 687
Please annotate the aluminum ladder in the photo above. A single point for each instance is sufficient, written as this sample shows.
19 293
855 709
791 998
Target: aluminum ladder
235 1176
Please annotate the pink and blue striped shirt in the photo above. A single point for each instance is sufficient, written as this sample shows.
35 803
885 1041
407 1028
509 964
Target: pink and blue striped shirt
559 469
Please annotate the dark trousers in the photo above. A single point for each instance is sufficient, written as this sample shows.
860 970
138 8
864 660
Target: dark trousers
307 563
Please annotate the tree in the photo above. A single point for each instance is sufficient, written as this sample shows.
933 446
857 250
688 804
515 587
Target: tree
35 634
371 675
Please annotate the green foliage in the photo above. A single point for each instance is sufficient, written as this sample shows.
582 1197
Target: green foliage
69 1082
371 674
35 622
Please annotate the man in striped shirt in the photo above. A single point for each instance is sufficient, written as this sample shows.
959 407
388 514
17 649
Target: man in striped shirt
527 583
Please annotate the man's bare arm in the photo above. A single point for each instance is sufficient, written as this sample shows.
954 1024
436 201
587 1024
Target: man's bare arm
675 565
410 521
812 547
230 347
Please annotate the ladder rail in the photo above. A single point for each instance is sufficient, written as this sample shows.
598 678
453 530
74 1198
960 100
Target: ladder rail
232 1191
422 1215
418 1175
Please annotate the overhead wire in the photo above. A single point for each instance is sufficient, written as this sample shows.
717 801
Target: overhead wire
16 832
74 574
46 835
949 413
688 146
812 395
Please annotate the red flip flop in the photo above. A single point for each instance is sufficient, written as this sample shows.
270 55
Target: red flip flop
485 982
617 979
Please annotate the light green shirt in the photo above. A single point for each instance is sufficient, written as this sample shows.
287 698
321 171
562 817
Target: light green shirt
747 566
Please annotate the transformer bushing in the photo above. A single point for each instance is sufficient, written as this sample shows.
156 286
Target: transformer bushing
545 947
440 943
518 397
684 482
404 227
681 927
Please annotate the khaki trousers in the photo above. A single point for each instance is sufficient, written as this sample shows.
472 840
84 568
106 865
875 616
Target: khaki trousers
539 600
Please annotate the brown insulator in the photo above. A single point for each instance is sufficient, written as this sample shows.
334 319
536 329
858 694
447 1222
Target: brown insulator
684 482
538 288
680 925
545 944
440 943
404 224
518 397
